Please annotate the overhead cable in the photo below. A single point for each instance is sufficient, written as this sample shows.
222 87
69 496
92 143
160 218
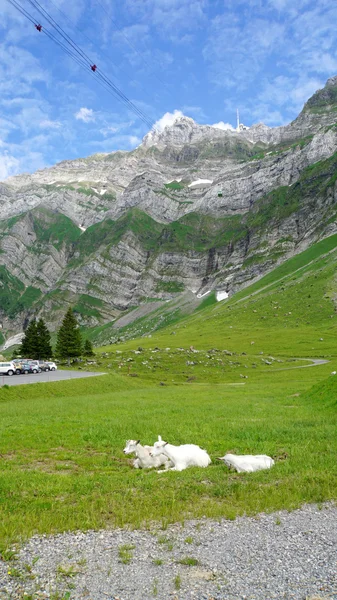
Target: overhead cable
44 13
69 46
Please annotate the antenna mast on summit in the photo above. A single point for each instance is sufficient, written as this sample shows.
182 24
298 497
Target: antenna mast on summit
237 120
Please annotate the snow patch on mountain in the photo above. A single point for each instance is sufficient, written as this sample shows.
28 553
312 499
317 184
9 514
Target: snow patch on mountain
221 296
200 183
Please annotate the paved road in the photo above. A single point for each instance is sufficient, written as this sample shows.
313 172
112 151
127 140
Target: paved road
45 377
314 363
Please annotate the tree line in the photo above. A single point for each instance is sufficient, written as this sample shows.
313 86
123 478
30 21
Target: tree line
36 342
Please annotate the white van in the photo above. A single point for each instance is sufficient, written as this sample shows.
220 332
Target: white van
7 368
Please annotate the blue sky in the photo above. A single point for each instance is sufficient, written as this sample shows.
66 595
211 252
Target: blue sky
203 58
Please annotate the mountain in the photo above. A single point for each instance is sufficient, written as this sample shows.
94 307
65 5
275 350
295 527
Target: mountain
194 208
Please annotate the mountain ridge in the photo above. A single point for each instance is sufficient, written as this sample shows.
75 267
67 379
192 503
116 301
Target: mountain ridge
151 193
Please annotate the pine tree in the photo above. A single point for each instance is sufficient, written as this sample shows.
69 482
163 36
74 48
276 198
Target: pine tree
44 346
36 342
88 349
29 344
69 339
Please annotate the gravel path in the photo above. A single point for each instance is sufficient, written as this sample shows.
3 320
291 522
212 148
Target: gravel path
281 555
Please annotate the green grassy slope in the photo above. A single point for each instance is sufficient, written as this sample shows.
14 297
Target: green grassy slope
297 297
10 289
289 312
54 228
50 227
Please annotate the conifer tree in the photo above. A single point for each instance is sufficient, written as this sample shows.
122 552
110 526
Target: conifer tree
29 344
43 336
69 339
36 342
88 349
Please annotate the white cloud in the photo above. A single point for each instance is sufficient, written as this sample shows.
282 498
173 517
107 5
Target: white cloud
322 62
131 35
48 124
304 89
167 120
237 51
109 130
19 69
169 16
85 114
281 51
134 140
9 165
6 127
264 113
153 60
23 156
224 126
188 38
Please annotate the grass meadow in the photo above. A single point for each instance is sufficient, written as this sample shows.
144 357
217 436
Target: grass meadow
244 391
63 467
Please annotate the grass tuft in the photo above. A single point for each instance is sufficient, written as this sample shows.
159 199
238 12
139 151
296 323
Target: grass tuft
189 561
125 553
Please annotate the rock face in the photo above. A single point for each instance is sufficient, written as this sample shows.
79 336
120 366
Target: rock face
109 231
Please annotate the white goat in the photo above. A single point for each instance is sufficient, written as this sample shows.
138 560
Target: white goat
144 460
247 463
187 455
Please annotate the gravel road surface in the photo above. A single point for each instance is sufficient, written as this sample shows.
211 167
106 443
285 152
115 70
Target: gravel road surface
45 377
280 555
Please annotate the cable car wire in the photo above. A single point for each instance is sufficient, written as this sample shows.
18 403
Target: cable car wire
79 56
45 31
108 58
22 11
84 56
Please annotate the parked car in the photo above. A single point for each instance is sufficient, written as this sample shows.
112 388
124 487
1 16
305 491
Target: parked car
52 366
17 363
46 365
43 365
24 365
7 368
27 368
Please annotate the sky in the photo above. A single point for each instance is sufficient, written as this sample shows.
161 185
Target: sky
200 58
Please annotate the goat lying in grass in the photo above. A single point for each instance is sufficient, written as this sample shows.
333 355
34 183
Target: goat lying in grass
187 455
248 463
144 460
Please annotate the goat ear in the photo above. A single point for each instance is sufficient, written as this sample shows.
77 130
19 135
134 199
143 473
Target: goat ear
137 442
159 438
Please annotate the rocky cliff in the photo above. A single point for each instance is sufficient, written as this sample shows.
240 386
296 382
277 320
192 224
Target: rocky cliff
193 208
